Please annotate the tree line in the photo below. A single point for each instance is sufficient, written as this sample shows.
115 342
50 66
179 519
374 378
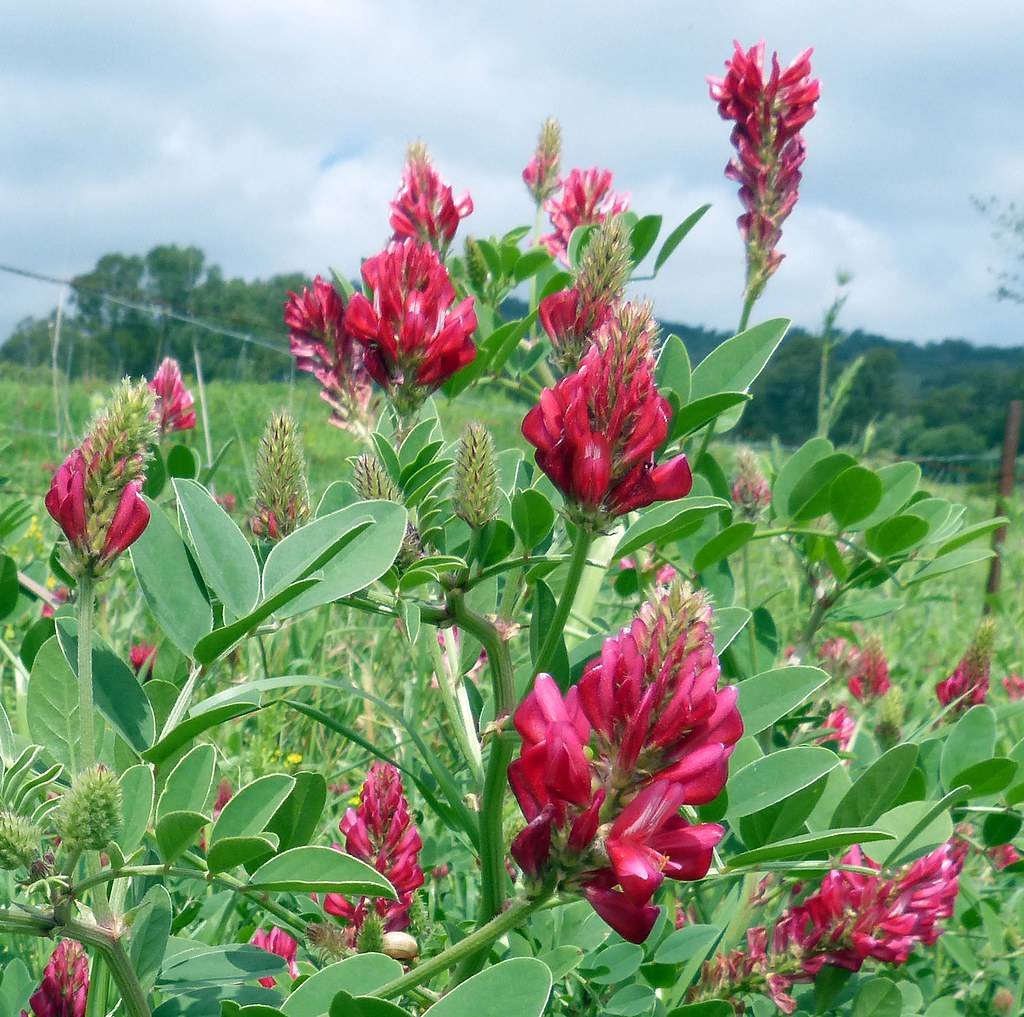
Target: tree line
937 399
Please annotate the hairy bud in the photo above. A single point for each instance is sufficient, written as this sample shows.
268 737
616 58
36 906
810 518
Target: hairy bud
541 172
372 481
476 265
280 493
89 816
604 265
371 934
329 940
19 841
476 477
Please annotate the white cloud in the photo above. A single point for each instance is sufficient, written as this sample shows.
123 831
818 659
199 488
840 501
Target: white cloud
271 135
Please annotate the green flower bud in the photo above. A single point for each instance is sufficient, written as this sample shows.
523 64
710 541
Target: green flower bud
476 477
476 265
280 492
371 935
372 481
604 264
328 940
19 841
89 816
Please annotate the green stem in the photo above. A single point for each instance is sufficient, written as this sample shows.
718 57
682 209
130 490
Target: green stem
493 877
577 563
86 727
207 437
514 915
750 607
748 306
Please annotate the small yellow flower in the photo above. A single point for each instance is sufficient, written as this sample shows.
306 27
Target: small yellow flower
294 758
51 582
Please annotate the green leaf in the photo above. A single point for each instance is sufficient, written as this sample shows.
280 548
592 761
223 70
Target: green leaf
899 482
950 562
917 826
513 988
52 705
971 741
532 262
219 641
170 587
810 495
358 975
176 832
643 237
735 364
677 236
896 534
217 1000
669 521
183 462
682 944
321 870
117 692
151 928
196 724
252 807
878 997
344 1005
988 777
218 965
726 624
631 1001
577 244
298 817
794 468
9 590
224 555
777 776
876 788
971 533
230 852
188 784
672 373
694 415
137 788
358 563
533 517
769 696
854 495
809 843
722 545
709 1008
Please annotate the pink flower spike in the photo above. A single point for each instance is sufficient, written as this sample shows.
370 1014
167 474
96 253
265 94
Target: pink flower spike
173 401
277 941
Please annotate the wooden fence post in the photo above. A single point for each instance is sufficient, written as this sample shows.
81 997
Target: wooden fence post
1007 471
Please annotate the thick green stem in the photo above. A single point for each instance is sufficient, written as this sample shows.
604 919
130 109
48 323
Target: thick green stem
826 348
512 917
748 306
447 667
494 879
577 564
86 726
207 437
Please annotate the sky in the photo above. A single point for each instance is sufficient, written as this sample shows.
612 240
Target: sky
271 135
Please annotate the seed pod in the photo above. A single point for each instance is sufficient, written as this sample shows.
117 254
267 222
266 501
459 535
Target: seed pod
399 946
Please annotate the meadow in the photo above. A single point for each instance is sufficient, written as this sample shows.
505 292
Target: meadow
478 671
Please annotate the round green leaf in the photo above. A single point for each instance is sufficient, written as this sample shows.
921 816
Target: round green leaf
854 495
514 988
769 696
775 777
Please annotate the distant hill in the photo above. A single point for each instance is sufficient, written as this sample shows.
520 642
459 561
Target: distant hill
938 399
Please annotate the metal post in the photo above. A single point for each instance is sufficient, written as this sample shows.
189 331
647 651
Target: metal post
1007 470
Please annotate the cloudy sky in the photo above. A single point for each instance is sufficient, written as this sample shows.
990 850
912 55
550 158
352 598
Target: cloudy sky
271 135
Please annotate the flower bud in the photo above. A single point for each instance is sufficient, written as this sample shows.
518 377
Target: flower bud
1002 1001
89 816
541 172
476 265
372 481
399 945
173 401
328 939
371 934
280 492
476 477
19 841
750 490
95 494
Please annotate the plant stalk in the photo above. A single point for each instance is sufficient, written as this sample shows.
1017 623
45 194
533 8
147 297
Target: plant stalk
86 725
577 563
